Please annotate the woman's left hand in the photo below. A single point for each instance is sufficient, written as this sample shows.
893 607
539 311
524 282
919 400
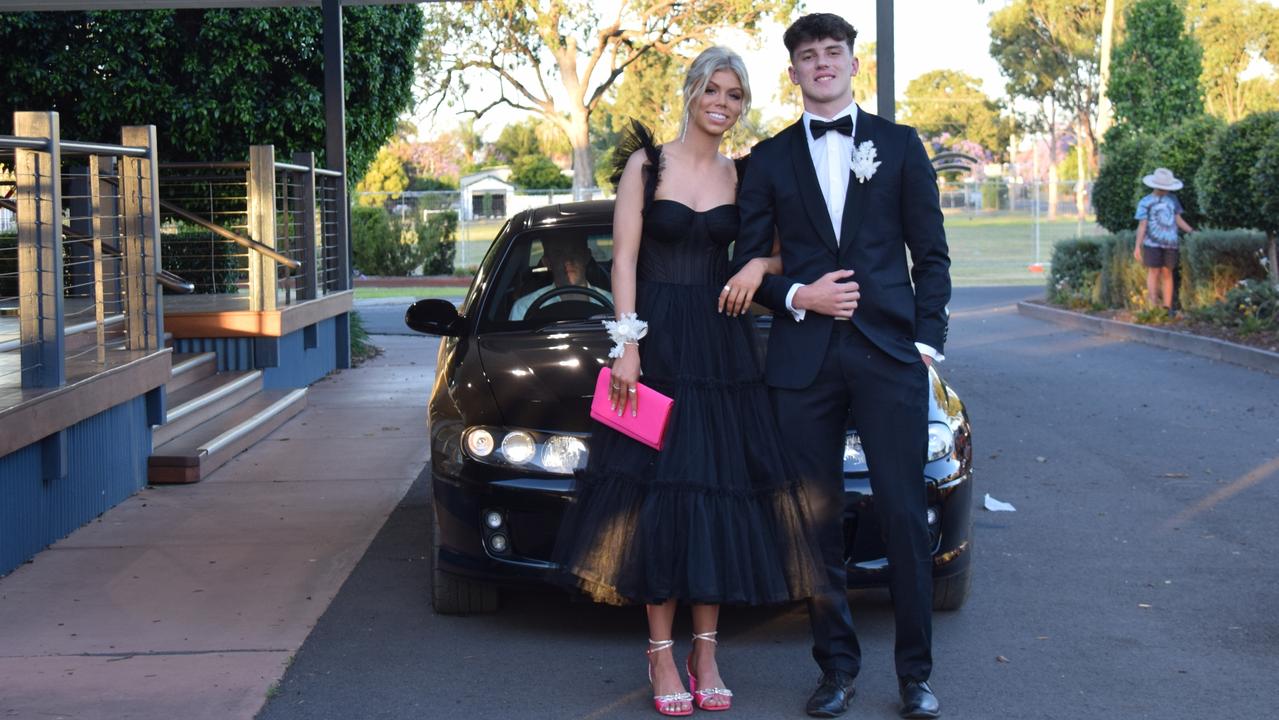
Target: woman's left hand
737 294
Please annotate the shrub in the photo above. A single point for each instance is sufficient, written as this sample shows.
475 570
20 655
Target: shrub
379 248
994 195
1118 185
1225 180
1250 306
537 172
1213 262
8 265
1076 270
438 236
1265 189
1181 149
209 262
1123 279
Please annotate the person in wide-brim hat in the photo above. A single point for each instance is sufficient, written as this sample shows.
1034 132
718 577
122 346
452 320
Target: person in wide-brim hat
1158 240
1162 179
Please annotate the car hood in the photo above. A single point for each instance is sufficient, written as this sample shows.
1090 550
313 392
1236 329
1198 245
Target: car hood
544 380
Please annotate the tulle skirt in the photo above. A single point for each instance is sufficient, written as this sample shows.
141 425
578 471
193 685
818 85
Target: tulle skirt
718 515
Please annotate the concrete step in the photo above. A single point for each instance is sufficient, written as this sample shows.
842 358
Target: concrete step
204 399
206 447
190 367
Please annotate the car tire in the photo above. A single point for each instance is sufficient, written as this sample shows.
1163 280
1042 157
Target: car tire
950 593
456 595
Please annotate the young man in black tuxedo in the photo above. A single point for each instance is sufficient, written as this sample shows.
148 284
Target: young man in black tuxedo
848 195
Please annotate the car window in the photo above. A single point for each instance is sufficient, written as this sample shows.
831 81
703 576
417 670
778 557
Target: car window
552 275
481 275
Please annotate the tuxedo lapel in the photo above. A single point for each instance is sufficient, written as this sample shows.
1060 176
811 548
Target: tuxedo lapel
854 200
809 189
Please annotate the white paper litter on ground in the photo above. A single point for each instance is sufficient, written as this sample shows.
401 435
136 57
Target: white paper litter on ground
997 505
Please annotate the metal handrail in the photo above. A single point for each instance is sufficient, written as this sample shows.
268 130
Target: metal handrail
169 280
222 232
71 147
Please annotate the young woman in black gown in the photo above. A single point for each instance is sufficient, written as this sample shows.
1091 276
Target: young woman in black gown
717 515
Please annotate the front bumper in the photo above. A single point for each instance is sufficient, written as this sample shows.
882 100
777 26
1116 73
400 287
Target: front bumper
531 509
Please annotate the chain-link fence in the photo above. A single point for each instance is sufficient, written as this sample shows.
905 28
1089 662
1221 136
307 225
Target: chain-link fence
1000 231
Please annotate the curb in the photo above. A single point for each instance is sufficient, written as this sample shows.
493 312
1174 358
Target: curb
1212 348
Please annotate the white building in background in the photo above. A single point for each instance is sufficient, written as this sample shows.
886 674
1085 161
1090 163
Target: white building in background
487 194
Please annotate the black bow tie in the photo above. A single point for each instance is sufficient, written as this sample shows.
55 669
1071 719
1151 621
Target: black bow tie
841 125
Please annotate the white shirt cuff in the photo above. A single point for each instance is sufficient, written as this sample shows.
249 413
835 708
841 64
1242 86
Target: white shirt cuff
790 296
930 351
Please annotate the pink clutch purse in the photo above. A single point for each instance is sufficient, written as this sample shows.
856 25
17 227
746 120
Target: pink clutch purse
649 426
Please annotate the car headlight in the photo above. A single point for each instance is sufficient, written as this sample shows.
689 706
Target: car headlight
854 455
529 449
941 441
518 447
563 453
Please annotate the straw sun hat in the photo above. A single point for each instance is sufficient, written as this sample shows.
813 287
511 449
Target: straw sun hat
1162 179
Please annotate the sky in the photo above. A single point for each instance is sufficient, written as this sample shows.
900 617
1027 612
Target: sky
955 36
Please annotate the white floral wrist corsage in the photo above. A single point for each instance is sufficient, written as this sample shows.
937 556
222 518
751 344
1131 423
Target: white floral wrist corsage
626 329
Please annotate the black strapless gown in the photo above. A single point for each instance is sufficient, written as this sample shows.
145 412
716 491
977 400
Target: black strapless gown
718 515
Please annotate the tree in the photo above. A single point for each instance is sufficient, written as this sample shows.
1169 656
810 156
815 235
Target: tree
1235 34
866 82
1118 184
530 48
1232 181
950 102
1049 52
537 172
1265 188
385 175
517 140
1154 75
213 82
1181 149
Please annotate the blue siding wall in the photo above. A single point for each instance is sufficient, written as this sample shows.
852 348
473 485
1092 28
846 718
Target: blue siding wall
233 353
299 366
107 462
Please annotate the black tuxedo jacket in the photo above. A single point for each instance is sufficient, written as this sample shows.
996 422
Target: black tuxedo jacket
896 210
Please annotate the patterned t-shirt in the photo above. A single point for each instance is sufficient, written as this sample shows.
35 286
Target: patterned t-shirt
1160 214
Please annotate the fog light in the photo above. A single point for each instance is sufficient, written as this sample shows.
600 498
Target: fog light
493 519
479 442
932 516
518 447
497 543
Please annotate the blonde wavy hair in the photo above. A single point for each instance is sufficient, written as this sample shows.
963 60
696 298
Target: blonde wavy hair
710 61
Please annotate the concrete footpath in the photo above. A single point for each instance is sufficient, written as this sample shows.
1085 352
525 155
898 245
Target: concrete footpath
190 601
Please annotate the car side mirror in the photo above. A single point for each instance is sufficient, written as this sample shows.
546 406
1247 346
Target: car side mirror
433 317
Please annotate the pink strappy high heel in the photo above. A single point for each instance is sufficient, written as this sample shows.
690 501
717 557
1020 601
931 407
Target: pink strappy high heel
718 697
669 705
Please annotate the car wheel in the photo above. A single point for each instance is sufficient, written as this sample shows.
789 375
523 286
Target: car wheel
456 595
950 593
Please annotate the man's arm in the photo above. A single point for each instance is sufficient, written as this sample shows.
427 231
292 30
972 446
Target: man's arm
755 236
926 239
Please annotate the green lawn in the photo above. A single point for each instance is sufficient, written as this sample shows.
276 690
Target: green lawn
413 292
984 249
998 250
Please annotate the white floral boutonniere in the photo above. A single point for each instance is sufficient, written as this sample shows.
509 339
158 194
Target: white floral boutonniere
864 162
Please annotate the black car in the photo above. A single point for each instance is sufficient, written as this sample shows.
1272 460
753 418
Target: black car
509 419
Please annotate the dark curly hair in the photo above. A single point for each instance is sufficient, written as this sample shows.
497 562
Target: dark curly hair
819 26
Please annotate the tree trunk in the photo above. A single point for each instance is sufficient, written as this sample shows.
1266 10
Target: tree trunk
1052 188
1105 112
1081 180
579 137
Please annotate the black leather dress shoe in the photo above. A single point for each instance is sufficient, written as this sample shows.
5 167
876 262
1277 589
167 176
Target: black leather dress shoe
918 700
832 695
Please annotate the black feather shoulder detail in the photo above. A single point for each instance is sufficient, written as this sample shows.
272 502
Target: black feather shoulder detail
634 138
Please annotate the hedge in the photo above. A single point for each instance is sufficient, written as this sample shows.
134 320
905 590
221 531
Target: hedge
1102 272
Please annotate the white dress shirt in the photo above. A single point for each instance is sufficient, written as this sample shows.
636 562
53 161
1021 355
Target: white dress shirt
832 156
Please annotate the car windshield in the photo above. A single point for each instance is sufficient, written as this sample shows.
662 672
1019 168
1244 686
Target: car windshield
552 275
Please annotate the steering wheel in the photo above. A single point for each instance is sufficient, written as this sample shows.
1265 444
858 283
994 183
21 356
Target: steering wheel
595 296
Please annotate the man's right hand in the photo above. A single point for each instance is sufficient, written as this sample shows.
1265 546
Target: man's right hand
829 295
